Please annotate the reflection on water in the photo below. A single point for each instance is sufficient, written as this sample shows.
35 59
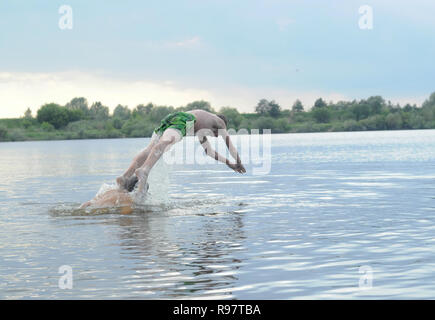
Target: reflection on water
169 264
332 203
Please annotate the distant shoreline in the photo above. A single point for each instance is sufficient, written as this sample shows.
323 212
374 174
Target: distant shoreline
77 121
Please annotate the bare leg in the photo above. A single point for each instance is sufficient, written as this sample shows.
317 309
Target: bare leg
169 138
137 162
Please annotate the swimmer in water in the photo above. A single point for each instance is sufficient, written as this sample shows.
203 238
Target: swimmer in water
171 130
114 198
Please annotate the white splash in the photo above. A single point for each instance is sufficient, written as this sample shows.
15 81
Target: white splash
158 192
106 187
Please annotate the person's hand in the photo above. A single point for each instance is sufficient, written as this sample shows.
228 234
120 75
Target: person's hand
240 168
237 167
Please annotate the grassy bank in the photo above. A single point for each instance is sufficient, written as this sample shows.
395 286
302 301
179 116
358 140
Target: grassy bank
76 120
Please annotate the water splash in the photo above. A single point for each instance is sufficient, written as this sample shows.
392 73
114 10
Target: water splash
156 200
158 192
106 187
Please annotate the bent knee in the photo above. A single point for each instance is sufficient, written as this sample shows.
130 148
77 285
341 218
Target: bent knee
166 143
167 140
171 135
160 147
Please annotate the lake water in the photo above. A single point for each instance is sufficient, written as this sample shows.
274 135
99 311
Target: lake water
340 215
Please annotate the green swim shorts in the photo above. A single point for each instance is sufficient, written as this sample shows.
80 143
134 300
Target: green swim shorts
181 121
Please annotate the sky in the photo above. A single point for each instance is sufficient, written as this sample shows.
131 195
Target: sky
230 53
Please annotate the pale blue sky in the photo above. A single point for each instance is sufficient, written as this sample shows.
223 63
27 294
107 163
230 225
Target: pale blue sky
228 52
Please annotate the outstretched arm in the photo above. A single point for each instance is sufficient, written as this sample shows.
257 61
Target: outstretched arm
215 155
211 152
233 151
230 146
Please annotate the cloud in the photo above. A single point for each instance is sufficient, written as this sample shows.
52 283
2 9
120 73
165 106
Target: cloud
22 90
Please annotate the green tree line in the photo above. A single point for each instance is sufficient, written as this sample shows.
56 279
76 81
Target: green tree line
78 120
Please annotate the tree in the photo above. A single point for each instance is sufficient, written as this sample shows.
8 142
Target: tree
121 112
430 103
428 115
280 125
142 110
319 103
98 111
262 107
28 114
351 125
27 120
233 116
361 110
47 127
117 123
203 105
321 115
263 123
376 103
407 108
53 114
297 106
158 113
3 133
78 104
137 127
393 121
416 121
270 108
275 109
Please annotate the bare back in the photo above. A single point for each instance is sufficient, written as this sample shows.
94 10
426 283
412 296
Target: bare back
207 120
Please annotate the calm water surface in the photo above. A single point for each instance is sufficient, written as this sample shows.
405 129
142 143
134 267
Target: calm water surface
331 204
